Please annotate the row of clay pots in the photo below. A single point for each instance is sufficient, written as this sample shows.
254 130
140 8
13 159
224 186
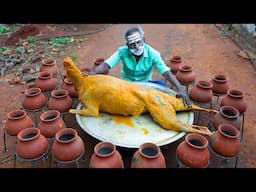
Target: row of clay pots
148 155
203 90
50 122
34 99
194 151
67 146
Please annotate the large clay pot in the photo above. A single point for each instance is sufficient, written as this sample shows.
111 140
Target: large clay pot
193 151
17 121
50 123
226 141
67 145
185 74
68 85
148 155
60 100
34 99
227 115
202 91
105 156
49 64
236 99
31 143
45 81
220 84
174 63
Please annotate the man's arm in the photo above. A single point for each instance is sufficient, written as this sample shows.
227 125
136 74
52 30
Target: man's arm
181 91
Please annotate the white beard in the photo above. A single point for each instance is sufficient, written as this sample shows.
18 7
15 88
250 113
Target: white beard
138 51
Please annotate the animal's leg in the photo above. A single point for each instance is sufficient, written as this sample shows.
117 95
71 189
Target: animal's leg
89 109
165 115
179 106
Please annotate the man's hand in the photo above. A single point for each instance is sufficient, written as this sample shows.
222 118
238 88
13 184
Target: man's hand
182 93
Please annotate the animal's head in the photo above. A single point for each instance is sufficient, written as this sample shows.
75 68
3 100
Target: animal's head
73 72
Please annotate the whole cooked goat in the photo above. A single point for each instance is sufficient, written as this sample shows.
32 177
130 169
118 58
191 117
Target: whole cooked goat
106 93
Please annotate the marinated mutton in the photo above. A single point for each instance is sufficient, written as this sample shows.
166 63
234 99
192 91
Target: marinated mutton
109 94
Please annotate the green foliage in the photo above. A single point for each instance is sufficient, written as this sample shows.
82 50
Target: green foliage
4 29
31 39
73 56
61 40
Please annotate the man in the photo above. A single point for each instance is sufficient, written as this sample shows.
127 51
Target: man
139 60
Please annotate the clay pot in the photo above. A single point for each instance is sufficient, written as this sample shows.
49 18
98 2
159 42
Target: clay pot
106 156
49 64
185 74
226 141
17 121
34 99
50 123
193 151
227 115
67 145
148 155
174 63
220 84
45 81
68 85
235 98
60 100
202 92
31 143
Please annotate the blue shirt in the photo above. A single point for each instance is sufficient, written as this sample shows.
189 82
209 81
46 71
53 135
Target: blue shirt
141 71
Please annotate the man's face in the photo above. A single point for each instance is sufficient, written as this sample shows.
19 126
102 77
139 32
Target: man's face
135 43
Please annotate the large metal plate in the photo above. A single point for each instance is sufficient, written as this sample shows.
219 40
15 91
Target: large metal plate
131 132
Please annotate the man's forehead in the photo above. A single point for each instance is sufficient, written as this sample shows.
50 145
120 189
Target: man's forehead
134 37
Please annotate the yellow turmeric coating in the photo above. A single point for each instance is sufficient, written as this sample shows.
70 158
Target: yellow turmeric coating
105 93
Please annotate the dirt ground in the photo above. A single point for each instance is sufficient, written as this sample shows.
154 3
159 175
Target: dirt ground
200 45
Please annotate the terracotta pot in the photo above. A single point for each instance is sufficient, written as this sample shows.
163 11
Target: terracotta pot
34 99
45 81
67 145
31 143
235 98
226 141
227 115
17 120
68 85
50 123
202 91
60 100
106 156
148 155
174 63
220 84
185 74
49 64
193 151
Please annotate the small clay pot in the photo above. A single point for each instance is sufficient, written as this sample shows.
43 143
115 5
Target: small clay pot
235 98
34 99
220 84
226 140
49 64
105 156
17 121
193 151
67 145
148 155
31 143
202 91
50 123
60 100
